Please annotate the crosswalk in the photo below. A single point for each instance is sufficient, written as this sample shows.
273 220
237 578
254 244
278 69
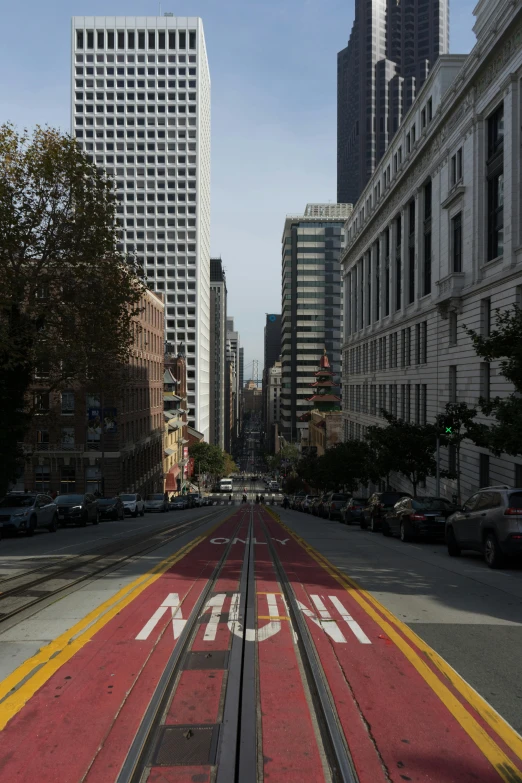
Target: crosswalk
271 500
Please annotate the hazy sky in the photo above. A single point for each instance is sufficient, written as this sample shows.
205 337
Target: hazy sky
273 71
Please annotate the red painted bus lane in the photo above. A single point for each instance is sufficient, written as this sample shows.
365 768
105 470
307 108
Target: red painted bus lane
414 733
70 718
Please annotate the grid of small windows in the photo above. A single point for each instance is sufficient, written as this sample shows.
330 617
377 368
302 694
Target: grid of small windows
134 107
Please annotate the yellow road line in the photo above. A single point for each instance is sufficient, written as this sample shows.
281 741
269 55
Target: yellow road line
504 766
19 686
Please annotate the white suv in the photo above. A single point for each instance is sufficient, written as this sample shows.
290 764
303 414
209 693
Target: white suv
133 504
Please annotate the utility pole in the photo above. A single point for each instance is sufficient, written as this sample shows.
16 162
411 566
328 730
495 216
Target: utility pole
437 476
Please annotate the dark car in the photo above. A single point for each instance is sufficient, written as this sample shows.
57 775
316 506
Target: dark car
378 506
314 507
353 511
77 510
111 508
418 517
333 503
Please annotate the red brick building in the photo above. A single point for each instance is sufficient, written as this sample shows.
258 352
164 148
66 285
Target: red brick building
86 439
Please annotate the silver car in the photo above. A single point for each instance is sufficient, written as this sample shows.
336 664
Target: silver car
27 511
156 502
490 522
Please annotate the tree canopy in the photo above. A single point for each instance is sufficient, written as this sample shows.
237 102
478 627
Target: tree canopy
68 297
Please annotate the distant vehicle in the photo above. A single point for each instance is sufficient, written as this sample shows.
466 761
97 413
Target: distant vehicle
26 512
133 504
111 508
353 510
192 499
273 486
418 517
490 521
156 502
77 510
225 485
178 503
378 506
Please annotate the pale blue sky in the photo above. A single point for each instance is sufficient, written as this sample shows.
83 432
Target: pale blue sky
273 70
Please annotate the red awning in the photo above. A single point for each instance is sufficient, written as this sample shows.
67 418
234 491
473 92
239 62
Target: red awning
170 478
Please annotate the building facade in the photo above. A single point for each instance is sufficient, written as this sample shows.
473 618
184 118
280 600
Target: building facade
218 347
311 309
391 49
233 356
110 441
272 340
434 246
272 402
140 98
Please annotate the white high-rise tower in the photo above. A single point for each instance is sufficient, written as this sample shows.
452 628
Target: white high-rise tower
141 109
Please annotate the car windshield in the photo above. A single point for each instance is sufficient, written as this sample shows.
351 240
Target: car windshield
106 501
17 501
66 500
155 496
431 504
128 497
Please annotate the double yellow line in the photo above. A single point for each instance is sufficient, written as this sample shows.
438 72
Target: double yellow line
18 687
398 632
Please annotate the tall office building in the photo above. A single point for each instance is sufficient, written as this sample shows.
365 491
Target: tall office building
233 353
141 109
391 49
272 340
218 347
311 309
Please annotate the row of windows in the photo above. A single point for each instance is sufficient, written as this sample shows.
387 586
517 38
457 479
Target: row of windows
406 401
100 70
112 39
404 346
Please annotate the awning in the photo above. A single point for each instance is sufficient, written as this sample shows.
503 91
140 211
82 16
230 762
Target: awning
170 451
170 479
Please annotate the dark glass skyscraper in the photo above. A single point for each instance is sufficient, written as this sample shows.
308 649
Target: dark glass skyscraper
392 46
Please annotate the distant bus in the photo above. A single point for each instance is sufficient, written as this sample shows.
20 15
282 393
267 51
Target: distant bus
225 485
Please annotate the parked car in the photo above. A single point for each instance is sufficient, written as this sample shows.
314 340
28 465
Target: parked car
321 505
26 512
192 499
353 510
156 502
378 506
334 501
307 502
490 521
133 504
314 507
111 508
418 517
77 510
178 503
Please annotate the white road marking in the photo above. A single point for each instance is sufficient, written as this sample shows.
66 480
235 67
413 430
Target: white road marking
171 602
252 634
326 622
216 603
347 617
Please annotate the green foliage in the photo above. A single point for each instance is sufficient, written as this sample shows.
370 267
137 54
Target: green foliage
209 458
68 298
504 344
413 447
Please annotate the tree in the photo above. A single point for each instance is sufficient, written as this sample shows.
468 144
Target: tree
207 458
383 447
229 466
504 344
345 465
456 424
414 447
68 297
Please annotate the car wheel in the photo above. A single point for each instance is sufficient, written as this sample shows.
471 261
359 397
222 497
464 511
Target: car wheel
31 527
52 526
405 532
142 512
385 529
454 549
492 553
